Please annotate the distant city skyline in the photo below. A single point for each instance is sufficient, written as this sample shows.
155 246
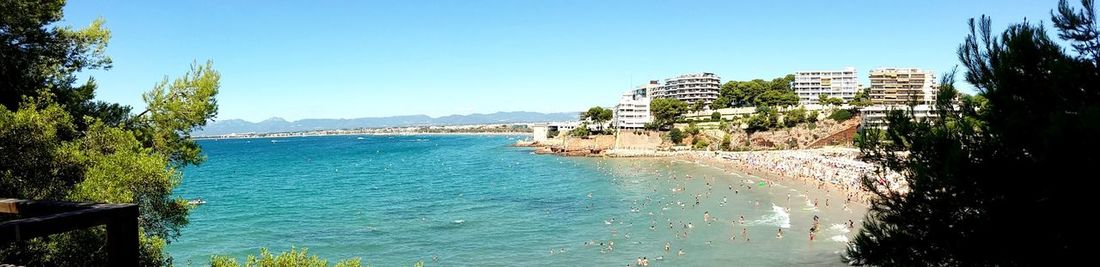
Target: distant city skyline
299 60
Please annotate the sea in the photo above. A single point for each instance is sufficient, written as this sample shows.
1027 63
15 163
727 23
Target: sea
474 200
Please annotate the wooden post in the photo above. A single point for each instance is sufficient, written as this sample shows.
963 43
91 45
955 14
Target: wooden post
122 238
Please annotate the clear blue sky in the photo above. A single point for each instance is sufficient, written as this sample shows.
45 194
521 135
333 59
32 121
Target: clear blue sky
348 59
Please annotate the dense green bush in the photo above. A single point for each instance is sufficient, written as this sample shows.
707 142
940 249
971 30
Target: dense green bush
580 131
676 136
692 129
725 145
701 143
840 115
293 257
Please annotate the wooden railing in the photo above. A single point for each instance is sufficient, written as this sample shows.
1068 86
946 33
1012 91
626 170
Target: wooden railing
42 218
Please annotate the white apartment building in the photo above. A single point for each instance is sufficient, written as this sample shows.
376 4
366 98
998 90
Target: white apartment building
632 112
809 85
691 88
875 116
900 86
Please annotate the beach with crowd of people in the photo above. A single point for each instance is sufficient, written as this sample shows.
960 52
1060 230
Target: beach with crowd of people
759 204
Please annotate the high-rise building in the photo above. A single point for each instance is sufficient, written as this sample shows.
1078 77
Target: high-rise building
632 112
690 88
809 85
902 86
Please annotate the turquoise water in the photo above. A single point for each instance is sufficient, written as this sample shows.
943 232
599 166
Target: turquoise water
475 201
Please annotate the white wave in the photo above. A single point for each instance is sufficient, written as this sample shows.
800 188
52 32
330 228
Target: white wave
779 217
459 221
810 206
839 238
839 228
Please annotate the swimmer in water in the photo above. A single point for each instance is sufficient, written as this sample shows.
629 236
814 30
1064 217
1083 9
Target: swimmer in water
667 246
779 235
681 253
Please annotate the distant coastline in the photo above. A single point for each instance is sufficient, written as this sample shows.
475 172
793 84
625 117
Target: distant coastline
436 130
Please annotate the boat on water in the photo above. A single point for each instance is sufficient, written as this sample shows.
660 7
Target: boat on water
196 202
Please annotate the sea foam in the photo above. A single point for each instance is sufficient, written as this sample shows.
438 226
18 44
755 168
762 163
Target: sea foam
779 217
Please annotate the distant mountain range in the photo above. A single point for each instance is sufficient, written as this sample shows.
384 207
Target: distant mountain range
277 124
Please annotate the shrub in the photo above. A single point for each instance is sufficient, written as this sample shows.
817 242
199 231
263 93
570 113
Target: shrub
676 136
293 257
812 117
580 131
725 145
692 129
758 123
794 117
701 143
552 133
840 115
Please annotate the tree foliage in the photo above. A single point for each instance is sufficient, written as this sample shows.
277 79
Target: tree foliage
840 115
291 258
692 129
699 143
676 136
725 145
764 119
989 178
665 111
697 106
58 143
862 98
598 115
580 131
776 92
794 117
824 99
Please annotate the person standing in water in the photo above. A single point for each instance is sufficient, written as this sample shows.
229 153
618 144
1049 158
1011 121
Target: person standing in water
779 235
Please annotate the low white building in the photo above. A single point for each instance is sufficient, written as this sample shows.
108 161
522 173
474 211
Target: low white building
566 126
875 116
632 112
809 85
539 131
